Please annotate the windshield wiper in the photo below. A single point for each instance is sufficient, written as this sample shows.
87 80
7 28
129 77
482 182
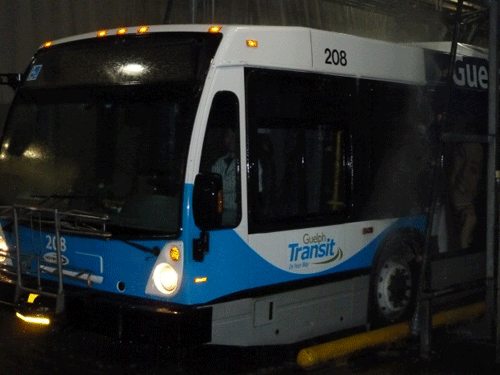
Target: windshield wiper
155 250
47 198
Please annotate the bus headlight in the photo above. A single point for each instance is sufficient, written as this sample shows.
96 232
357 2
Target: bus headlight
165 278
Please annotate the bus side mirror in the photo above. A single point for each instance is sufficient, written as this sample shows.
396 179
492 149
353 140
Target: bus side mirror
207 201
11 79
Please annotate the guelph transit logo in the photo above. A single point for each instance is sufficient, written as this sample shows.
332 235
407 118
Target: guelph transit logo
315 249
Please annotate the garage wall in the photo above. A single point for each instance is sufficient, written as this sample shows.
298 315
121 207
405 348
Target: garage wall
25 24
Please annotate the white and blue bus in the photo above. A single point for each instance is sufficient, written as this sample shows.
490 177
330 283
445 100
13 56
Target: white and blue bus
234 185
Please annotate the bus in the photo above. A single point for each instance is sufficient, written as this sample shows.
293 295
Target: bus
236 185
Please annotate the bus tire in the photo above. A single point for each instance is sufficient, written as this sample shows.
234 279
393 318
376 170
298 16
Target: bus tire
394 285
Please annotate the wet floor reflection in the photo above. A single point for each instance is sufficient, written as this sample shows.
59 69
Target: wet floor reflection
36 351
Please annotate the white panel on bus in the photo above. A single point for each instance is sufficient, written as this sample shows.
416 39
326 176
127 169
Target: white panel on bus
367 58
279 47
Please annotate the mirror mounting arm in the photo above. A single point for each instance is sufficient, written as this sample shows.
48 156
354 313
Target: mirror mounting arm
200 246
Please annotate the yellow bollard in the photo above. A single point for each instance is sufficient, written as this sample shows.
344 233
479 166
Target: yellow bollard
314 355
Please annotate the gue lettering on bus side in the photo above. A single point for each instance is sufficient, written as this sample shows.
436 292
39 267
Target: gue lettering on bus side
471 73
313 250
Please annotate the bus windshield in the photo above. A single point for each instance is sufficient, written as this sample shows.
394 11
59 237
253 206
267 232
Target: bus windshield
102 145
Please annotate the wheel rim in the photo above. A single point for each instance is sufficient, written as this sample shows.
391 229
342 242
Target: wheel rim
394 286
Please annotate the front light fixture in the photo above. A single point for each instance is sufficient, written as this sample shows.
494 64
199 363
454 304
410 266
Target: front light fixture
3 243
3 248
165 278
175 254
34 319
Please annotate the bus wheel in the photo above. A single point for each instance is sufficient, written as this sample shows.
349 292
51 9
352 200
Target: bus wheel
393 288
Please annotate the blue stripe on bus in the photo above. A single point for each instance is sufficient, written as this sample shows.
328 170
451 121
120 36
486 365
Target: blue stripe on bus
230 266
118 261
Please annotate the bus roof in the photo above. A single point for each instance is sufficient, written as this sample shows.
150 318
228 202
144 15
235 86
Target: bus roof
302 49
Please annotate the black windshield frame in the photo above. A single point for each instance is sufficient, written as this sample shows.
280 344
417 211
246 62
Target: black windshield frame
163 57
160 98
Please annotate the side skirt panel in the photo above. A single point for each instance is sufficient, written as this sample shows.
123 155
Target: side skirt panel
292 316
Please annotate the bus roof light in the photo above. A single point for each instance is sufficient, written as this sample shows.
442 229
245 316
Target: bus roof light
214 29
47 43
101 33
142 29
121 31
252 43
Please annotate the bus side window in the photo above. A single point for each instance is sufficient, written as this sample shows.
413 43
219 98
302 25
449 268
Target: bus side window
221 151
297 136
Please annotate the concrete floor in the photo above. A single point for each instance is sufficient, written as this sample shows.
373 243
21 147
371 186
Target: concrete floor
462 349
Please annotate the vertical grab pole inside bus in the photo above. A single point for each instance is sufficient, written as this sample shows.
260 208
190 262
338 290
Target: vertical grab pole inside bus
421 320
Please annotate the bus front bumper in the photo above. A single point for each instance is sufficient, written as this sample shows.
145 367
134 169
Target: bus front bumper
122 318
